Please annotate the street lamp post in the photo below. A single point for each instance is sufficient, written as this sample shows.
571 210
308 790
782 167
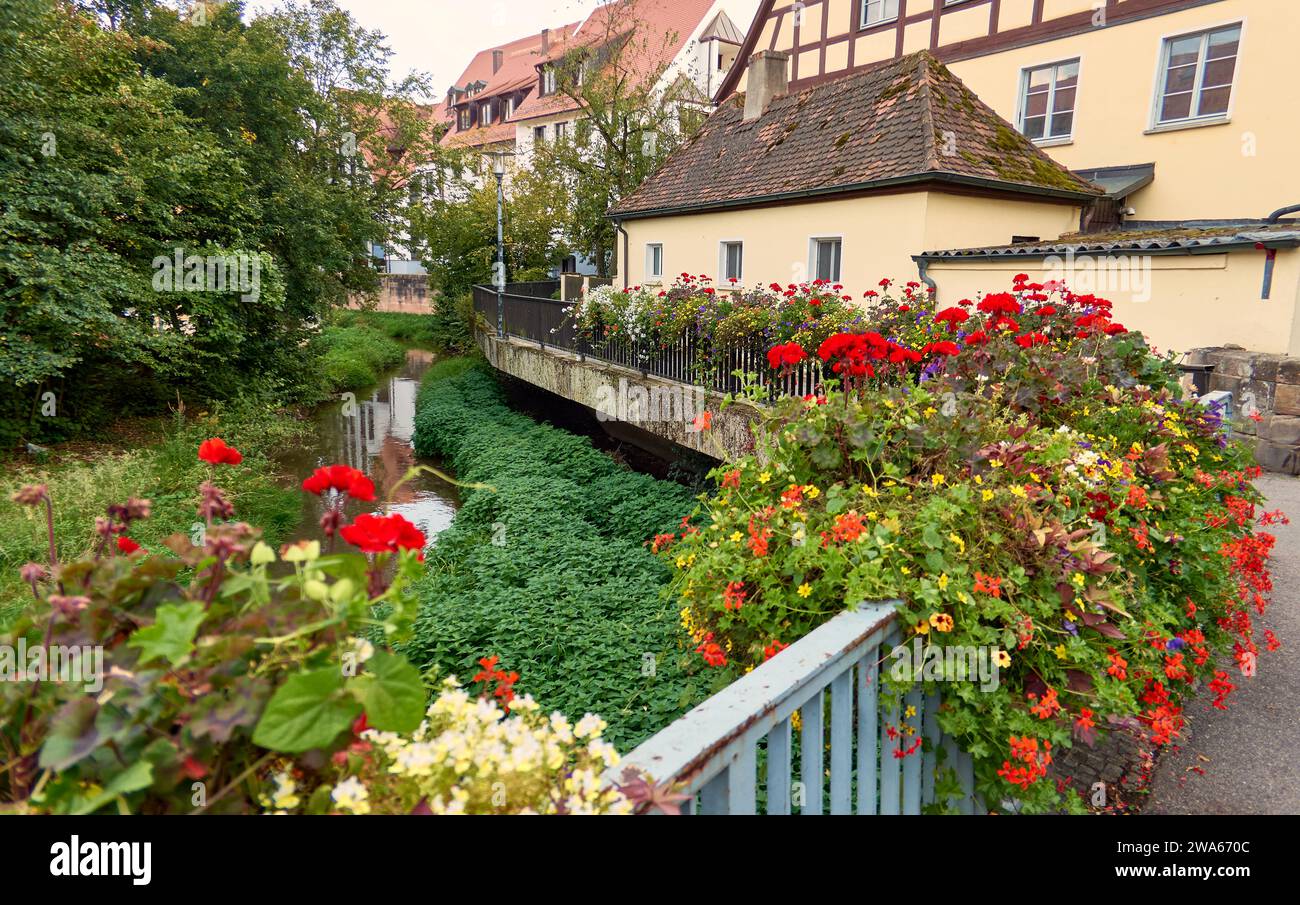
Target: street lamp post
499 170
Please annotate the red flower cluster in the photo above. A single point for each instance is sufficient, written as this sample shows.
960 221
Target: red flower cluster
216 452
344 479
853 354
712 652
505 681
383 534
786 356
1026 752
733 596
126 545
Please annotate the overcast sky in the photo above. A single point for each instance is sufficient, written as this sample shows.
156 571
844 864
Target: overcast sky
439 37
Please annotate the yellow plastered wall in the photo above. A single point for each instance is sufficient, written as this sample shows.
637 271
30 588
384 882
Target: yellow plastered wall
1243 168
1180 302
880 234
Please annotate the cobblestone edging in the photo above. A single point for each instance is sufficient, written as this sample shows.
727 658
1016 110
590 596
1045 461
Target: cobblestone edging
1268 386
1122 762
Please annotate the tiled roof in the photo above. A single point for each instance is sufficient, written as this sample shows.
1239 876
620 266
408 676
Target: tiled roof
904 120
660 28
518 70
1171 240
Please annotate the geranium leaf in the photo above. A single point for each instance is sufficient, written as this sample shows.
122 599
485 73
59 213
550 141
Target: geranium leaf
308 711
72 734
171 637
392 694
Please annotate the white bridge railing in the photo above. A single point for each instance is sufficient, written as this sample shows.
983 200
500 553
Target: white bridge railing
849 763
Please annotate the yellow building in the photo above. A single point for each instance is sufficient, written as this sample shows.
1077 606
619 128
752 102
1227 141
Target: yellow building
1172 113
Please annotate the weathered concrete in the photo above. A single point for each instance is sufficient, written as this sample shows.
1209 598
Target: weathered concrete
1269 387
400 293
622 396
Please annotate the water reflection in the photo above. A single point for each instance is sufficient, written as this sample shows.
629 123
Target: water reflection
374 434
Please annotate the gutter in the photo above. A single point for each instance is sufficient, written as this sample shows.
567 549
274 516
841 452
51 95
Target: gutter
1239 245
1004 188
618 225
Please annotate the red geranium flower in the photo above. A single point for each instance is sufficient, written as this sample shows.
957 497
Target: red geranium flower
344 479
952 317
1031 339
943 347
217 452
126 545
1001 303
383 534
787 355
978 338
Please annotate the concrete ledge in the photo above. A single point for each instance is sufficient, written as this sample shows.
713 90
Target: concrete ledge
1269 385
621 396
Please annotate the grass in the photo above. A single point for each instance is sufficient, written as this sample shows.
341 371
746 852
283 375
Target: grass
446 330
354 355
549 569
165 470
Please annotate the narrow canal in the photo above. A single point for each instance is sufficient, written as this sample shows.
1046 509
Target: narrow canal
374 433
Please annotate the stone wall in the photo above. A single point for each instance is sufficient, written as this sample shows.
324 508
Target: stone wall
401 293
1268 386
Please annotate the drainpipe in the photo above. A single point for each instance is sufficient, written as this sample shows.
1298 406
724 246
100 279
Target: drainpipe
923 268
618 225
1282 212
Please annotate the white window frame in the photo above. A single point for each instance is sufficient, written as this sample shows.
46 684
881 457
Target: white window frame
1023 102
814 245
1161 77
548 81
650 273
561 131
869 5
724 280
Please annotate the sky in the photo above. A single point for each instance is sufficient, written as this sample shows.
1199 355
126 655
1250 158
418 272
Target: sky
440 37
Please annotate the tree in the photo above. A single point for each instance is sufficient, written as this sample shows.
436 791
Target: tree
628 123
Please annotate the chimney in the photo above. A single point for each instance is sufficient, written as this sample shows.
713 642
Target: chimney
768 79
546 40
498 57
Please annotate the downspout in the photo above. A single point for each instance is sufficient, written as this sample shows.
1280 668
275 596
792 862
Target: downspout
1282 212
923 268
618 225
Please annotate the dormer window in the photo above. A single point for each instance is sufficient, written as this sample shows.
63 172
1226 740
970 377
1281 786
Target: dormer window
548 80
466 119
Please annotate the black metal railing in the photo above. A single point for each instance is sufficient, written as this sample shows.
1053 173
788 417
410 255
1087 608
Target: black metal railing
546 322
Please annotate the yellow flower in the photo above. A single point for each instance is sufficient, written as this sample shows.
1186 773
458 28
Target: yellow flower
943 582
938 479
922 627
905 570
737 536
1003 659
1070 616
1078 579
1059 650
812 492
986 495
805 589
961 544
909 712
930 411
765 477
873 515
869 490
1018 490
979 479
942 622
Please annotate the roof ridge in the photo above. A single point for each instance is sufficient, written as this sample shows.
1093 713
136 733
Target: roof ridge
927 110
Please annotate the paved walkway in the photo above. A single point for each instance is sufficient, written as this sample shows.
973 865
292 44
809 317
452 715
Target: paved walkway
1248 752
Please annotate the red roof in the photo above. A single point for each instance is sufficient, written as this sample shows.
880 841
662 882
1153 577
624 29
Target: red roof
518 70
663 28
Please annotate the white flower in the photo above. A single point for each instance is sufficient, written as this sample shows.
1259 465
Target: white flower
590 725
351 795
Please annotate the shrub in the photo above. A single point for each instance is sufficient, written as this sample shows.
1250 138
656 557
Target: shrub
545 563
355 356
1023 474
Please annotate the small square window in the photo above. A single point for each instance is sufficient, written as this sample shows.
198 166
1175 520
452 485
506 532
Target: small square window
876 11
539 134
654 262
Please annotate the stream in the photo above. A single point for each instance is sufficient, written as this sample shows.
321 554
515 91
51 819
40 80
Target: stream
374 434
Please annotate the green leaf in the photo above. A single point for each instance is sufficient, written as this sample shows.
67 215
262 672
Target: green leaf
171 637
392 694
134 778
308 711
72 734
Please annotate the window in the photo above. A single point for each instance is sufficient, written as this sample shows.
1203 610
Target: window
654 262
1047 96
1198 73
548 80
876 11
539 135
826 259
466 119
561 131
509 107
733 261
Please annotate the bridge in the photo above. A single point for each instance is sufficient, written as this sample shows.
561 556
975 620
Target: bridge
655 396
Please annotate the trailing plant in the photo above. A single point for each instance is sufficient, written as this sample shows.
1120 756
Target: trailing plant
545 563
1025 475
